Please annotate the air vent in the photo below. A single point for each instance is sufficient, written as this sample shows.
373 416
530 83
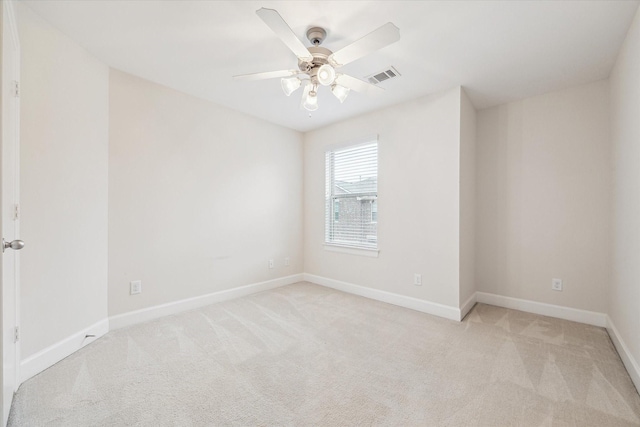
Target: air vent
389 73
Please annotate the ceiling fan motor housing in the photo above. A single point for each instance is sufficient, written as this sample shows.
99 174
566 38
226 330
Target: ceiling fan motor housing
320 57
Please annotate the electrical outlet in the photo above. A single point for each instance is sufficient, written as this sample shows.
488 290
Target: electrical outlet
135 287
287 261
556 284
417 279
270 263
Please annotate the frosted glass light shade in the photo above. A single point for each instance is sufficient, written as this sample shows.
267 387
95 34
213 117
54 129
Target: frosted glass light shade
289 85
311 102
340 92
326 75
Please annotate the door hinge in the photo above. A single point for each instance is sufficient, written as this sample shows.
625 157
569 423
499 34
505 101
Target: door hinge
16 87
16 212
16 336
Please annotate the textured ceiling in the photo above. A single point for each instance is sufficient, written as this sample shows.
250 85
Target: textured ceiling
499 51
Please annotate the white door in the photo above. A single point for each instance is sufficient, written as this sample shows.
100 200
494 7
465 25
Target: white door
9 204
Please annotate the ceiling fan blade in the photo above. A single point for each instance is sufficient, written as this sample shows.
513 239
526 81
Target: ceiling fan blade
273 19
358 85
377 39
266 75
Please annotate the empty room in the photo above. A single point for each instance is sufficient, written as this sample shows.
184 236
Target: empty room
328 213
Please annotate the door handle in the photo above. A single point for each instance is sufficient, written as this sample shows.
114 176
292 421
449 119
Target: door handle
16 245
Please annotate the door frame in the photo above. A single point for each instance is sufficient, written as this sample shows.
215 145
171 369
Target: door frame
16 168
9 20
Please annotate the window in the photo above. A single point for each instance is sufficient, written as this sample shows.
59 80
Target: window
351 206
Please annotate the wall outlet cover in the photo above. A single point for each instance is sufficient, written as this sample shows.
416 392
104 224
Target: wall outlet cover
135 287
556 284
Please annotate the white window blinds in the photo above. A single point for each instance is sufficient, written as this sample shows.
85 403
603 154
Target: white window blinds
351 208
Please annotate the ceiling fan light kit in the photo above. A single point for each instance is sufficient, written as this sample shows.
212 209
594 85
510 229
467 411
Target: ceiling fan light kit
311 101
289 85
318 64
340 92
326 75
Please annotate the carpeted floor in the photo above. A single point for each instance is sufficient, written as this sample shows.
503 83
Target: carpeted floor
308 355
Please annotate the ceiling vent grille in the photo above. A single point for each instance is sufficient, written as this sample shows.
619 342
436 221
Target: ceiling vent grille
381 76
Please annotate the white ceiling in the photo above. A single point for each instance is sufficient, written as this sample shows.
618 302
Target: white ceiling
499 51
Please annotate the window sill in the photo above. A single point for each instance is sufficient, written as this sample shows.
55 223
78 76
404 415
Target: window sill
353 251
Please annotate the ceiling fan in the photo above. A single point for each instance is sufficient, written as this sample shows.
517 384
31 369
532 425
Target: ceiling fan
317 65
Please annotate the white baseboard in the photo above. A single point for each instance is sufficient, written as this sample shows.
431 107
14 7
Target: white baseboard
151 313
429 307
573 314
468 305
51 355
627 358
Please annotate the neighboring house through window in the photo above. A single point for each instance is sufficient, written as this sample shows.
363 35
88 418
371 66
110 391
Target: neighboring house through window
351 196
374 210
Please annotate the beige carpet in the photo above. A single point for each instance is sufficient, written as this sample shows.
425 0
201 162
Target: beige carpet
308 355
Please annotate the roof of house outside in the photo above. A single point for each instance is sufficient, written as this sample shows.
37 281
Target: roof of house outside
367 185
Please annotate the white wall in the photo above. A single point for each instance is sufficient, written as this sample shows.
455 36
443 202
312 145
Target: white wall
64 137
418 200
200 196
543 196
624 292
467 198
